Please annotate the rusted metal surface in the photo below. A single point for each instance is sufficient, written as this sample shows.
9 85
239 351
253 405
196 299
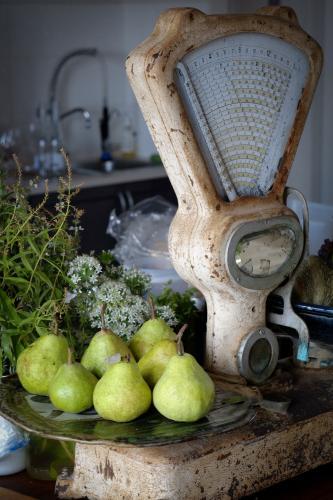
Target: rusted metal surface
271 448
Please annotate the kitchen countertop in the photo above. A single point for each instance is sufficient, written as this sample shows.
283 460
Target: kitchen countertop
93 179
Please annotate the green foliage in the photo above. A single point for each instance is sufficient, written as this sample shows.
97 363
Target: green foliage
107 259
36 247
186 312
183 305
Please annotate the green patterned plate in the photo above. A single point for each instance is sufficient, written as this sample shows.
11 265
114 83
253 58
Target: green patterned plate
37 415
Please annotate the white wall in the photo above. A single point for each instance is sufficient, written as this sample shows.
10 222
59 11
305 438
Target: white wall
34 35
312 172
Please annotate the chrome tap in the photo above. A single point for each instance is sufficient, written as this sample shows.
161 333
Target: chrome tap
48 158
53 105
85 113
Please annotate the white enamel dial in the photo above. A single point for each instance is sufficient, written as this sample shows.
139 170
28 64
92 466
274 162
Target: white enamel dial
241 93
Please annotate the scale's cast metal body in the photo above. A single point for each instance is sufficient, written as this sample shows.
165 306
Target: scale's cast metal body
225 99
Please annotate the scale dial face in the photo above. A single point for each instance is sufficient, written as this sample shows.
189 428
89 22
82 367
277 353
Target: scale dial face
241 94
265 252
261 254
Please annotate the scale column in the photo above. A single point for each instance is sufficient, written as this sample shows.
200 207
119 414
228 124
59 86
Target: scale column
237 340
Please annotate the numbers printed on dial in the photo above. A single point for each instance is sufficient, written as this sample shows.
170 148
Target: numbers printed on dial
244 90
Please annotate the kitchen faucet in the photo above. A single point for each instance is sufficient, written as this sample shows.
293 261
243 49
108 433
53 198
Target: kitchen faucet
53 109
48 159
84 112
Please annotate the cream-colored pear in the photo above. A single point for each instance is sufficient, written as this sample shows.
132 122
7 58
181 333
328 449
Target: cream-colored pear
185 392
151 332
122 394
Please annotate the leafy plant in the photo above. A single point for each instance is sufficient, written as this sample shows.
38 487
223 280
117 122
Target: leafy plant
186 311
40 274
36 247
183 304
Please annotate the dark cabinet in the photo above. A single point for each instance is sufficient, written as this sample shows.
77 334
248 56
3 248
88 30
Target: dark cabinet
98 202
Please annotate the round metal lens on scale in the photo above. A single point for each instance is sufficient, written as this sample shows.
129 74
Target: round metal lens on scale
258 355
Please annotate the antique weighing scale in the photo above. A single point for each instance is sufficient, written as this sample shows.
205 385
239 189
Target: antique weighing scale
225 99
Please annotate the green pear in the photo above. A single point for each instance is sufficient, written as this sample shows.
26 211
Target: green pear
152 331
122 394
185 392
103 346
71 389
153 363
39 362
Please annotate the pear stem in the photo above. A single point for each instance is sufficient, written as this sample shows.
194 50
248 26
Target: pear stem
69 356
103 307
152 307
180 345
56 323
126 358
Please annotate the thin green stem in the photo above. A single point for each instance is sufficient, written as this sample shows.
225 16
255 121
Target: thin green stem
67 451
32 214
60 227
180 345
152 307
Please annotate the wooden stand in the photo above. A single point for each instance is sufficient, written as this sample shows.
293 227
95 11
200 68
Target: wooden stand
271 448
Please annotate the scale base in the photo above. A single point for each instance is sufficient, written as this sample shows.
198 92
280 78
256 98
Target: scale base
272 448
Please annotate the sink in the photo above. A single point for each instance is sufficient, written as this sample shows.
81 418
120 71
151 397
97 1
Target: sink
93 168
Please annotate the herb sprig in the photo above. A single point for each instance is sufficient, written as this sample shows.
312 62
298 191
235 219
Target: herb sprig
36 247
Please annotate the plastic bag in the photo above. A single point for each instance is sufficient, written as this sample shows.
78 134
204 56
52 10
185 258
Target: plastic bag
142 234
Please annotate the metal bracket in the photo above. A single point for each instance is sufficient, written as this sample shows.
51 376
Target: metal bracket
289 317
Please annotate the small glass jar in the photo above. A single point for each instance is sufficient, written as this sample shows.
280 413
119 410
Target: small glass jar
47 458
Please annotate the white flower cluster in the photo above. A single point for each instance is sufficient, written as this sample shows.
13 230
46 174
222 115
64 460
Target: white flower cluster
124 312
166 313
121 291
85 272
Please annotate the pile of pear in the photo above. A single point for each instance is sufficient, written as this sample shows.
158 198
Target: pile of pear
120 381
